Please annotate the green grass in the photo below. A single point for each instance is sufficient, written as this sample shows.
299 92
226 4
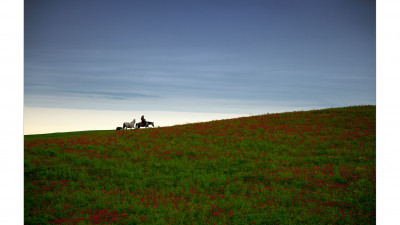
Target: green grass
311 167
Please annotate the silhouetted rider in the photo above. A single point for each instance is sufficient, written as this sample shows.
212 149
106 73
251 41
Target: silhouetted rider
143 121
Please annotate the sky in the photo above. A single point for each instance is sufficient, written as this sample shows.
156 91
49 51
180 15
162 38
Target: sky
227 57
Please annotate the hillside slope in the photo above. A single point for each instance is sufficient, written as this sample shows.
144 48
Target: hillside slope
288 168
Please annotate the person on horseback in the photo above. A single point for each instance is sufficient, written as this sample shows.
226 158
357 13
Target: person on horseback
143 121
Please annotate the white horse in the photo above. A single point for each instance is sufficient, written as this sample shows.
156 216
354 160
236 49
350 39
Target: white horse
129 125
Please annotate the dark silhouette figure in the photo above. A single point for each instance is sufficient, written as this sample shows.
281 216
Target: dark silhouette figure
138 125
143 121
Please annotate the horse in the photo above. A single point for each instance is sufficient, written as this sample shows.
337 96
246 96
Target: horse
129 125
138 125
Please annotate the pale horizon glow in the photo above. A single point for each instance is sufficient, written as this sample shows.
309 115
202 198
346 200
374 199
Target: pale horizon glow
56 120
39 120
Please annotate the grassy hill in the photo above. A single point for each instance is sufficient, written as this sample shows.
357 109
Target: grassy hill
308 167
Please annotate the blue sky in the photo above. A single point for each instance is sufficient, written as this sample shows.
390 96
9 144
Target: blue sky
199 56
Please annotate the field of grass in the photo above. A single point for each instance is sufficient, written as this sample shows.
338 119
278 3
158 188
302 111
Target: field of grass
308 167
